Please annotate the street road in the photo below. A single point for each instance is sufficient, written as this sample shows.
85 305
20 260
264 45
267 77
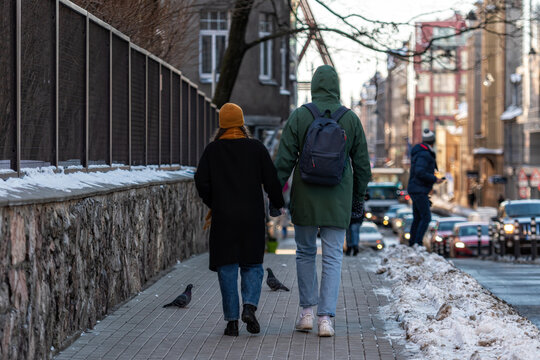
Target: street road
517 284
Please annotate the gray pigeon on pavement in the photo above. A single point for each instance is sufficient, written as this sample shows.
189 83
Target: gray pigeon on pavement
183 299
273 282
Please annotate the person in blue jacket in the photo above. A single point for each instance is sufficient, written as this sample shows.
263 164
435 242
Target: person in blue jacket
421 180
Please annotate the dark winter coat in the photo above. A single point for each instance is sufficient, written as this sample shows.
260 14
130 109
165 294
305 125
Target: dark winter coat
229 179
422 174
321 205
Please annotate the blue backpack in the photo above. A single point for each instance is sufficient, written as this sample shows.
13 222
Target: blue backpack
323 158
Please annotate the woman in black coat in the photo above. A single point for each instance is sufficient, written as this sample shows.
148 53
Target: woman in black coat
229 177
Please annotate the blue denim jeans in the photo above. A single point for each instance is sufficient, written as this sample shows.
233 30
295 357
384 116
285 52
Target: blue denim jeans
251 282
306 269
353 235
421 218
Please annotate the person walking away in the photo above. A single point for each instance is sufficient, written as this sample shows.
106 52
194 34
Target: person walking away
229 177
315 206
353 234
421 180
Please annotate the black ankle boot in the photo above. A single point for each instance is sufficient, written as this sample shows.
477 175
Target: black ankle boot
348 251
232 328
355 250
248 316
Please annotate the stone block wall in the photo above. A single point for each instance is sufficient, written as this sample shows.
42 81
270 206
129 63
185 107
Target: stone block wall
64 265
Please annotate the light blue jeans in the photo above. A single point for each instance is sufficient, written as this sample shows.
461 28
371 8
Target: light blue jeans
251 282
332 254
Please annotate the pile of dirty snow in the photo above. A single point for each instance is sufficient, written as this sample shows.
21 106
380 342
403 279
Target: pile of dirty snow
448 315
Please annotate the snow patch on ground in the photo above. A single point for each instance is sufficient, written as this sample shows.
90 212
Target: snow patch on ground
47 178
448 314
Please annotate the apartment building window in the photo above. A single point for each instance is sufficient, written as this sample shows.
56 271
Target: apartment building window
427 105
444 105
283 89
447 34
444 59
265 29
444 83
212 42
424 82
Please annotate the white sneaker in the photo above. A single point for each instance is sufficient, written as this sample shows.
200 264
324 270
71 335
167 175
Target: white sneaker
325 328
305 322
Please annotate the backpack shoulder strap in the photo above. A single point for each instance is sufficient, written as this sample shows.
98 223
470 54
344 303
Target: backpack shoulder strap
313 110
339 113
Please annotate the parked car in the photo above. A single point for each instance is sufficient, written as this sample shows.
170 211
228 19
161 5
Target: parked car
522 211
370 236
397 221
391 213
464 241
442 230
404 232
381 195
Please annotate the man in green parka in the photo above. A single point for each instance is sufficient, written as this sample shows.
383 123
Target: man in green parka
321 207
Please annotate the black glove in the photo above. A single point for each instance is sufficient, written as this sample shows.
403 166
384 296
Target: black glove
357 211
274 212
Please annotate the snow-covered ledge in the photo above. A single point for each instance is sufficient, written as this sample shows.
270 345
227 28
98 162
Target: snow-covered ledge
72 246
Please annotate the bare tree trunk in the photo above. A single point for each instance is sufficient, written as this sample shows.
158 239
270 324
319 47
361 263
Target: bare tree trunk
232 59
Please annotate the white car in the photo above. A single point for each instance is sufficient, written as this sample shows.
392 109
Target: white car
370 236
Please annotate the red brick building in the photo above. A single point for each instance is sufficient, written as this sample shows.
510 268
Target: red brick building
440 73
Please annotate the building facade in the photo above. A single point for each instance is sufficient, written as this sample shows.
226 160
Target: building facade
264 88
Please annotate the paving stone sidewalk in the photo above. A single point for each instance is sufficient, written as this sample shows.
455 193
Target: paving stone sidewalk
142 329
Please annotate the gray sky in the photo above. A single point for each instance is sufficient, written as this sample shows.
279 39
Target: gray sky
354 63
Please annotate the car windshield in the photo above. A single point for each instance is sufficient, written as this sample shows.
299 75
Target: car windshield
368 230
518 210
472 230
382 193
447 225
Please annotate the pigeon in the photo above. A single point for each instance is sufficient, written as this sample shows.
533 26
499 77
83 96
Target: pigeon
183 299
273 282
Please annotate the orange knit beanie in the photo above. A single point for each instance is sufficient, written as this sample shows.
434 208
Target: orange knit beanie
230 115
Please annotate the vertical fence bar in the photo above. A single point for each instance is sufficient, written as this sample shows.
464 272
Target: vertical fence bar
533 238
86 92
146 112
502 239
129 106
516 239
18 70
56 78
159 114
479 233
490 239
189 125
110 98
171 101
180 119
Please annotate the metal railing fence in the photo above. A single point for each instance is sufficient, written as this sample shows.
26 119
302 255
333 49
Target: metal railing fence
76 92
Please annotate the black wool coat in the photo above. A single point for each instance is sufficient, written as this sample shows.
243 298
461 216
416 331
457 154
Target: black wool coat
230 178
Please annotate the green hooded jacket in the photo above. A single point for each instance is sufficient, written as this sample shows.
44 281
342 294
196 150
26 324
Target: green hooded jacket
319 205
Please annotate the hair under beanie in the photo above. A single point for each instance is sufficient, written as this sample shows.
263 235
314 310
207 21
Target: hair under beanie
428 136
230 115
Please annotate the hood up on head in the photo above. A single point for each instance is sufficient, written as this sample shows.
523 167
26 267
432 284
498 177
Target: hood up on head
325 85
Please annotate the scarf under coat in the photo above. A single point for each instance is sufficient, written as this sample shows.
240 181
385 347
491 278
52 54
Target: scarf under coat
230 134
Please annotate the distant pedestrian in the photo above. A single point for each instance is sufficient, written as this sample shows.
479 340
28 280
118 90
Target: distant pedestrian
353 233
315 206
421 180
229 177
